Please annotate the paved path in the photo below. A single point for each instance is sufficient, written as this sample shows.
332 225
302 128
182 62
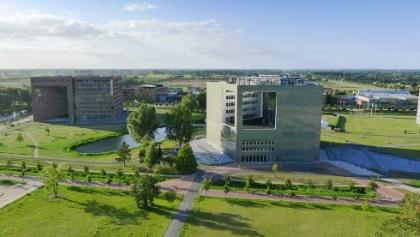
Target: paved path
401 185
180 216
36 149
13 193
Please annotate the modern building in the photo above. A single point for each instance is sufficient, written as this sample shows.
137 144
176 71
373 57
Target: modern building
81 98
385 97
265 119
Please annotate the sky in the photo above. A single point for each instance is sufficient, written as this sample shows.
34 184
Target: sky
212 34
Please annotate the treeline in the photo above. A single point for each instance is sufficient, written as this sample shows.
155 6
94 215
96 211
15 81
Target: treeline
389 79
12 99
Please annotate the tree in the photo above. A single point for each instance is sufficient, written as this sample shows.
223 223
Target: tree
8 165
288 184
123 153
23 170
170 196
179 126
372 184
366 205
144 190
185 161
275 168
249 180
142 123
89 178
23 165
119 175
407 223
103 172
226 187
86 170
205 185
39 166
329 184
188 101
142 151
150 156
268 189
201 101
53 176
19 138
47 130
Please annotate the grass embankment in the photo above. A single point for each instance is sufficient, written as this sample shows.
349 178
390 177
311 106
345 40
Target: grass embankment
84 211
242 217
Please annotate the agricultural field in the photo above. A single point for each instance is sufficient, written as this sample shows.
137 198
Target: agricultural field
212 216
84 211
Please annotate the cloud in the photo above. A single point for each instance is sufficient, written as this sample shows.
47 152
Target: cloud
4 6
33 26
139 7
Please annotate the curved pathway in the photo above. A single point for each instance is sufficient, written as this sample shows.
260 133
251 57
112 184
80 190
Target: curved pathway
36 149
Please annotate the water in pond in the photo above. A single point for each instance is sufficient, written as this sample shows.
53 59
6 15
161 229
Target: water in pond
113 143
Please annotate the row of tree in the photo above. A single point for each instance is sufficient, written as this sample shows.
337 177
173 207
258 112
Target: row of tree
12 97
142 125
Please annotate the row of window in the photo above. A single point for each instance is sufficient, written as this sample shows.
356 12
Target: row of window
249 109
270 158
230 119
230 97
249 95
257 149
247 142
249 116
87 112
230 104
105 108
230 111
249 102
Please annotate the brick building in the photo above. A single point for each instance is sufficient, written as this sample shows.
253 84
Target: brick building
83 98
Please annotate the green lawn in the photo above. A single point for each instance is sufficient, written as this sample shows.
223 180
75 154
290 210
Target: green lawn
242 217
84 211
380 133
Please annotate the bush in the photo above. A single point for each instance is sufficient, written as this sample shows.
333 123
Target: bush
291 194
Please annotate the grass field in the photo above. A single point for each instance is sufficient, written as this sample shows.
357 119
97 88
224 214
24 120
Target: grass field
84 211
242 217
380 133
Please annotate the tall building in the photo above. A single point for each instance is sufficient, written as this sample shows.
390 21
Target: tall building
265 119
83 98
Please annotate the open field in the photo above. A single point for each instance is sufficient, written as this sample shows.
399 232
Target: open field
84 211
379 133
343 85
241 217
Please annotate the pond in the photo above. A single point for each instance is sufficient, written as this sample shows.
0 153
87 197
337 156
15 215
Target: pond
113 143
